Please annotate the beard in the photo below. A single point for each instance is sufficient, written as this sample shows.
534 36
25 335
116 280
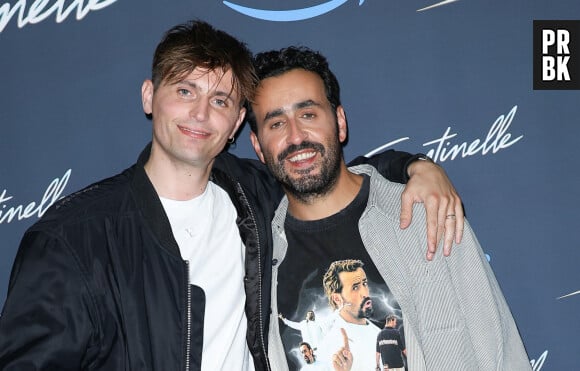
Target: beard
306 187
365 312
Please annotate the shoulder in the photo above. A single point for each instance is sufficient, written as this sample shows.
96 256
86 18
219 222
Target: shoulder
238 167
231 172
78 230
101 198
378 182
384 195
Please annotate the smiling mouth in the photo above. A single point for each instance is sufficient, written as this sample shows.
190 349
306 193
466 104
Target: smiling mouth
300 152
193 132
302 156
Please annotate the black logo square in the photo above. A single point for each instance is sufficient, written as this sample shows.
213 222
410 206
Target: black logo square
557 55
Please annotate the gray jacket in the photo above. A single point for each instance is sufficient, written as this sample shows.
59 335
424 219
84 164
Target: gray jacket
455 315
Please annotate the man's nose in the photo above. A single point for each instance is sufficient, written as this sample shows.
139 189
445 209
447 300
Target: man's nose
199 110
296 133
365 291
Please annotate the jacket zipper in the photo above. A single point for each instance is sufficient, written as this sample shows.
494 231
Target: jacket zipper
188 318
262 341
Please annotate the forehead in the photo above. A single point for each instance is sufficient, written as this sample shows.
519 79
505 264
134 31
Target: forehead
349 278
290 87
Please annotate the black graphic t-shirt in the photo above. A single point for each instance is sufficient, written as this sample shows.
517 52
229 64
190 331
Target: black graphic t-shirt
307 313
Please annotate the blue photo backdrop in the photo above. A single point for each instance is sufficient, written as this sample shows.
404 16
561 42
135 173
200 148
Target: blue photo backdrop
453 79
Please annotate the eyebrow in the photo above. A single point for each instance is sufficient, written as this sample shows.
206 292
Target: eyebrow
295 106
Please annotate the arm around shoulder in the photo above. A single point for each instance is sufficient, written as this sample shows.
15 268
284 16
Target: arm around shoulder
390 163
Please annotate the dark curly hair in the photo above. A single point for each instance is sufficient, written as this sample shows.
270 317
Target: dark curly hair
277 62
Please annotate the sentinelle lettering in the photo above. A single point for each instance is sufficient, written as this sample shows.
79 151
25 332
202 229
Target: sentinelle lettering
51 195
39 10
497 138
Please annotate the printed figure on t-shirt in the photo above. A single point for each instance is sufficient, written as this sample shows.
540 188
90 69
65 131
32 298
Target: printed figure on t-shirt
310 330
310 361
347 289
390 347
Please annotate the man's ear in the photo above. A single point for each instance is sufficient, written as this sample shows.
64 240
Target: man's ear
257 147
239 122
342 126
147 96
336 299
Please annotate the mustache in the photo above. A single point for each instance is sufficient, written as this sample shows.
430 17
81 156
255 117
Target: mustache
299 147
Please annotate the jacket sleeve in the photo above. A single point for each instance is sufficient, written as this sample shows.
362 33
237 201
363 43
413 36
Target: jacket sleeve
45 323
390 163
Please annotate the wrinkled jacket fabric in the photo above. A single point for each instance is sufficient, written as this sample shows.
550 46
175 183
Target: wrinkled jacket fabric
454 312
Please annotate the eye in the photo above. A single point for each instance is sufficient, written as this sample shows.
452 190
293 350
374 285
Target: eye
308 116
276 125
183 92
220 102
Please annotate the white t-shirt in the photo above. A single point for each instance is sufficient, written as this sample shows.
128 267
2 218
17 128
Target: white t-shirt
205 230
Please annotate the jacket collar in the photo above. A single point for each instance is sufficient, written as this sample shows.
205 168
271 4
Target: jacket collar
149 204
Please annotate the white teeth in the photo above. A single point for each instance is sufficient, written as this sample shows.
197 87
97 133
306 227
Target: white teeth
302 156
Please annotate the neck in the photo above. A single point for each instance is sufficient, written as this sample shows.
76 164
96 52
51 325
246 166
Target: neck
175 180
336 199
